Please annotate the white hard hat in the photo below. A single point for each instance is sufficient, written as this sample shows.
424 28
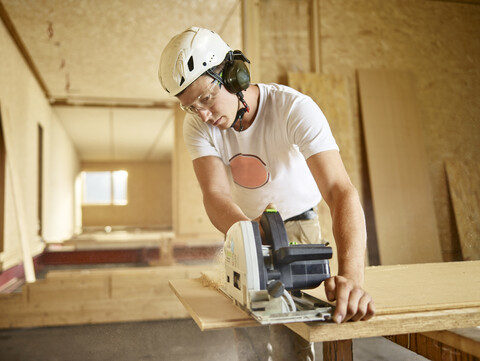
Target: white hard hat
188 55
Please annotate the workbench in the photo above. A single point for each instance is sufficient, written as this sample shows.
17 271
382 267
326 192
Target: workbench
411 300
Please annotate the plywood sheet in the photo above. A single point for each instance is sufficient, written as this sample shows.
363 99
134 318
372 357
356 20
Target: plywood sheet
401 191
396 290
209 307
464 185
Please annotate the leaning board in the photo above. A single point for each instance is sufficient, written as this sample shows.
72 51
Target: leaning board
464 185
439 293
397 165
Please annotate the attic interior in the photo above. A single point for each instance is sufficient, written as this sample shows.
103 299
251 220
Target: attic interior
99 204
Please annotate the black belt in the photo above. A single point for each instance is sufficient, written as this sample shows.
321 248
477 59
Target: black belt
310 214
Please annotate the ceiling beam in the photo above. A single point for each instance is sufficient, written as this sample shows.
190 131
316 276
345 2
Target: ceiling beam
114 103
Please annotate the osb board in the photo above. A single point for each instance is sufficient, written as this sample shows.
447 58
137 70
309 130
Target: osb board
285 38
432 39
464 185
401 294
398 168
331 94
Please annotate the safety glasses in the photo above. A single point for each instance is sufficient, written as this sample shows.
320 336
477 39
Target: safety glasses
205 100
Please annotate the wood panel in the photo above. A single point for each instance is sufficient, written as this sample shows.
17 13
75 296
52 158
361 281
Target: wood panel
464 185
421 287
409 298
97 296
401 191
331 94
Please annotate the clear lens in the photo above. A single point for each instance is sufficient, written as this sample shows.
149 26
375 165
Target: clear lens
203 101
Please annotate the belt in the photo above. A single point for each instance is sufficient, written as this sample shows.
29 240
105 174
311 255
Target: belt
309 214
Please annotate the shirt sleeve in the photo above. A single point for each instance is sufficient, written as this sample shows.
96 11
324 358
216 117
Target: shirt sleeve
198 139
308 128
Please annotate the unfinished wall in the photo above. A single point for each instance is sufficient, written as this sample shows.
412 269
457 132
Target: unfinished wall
437 41
23 106
149 196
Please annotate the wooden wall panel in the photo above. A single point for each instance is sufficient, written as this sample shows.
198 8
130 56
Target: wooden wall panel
402 194
435 40
464 185
285 38
331 93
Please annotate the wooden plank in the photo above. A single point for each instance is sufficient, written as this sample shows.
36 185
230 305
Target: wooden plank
438 296
401 190
432 346
96 311
69 290
385 325
421 287
464 186
209 307
465 342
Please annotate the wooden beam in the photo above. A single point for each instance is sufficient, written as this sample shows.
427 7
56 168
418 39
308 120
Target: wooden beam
251 34
315 54
338 350
439 345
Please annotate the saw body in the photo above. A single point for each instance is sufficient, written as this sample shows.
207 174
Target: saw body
267 279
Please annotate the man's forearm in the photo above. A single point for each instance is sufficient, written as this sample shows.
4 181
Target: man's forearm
350 236
222 211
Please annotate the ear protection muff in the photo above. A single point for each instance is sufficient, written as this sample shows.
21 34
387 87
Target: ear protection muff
235 74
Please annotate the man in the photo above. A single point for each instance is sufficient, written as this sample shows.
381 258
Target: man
256 144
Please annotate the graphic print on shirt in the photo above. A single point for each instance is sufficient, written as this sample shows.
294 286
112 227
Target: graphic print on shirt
249 171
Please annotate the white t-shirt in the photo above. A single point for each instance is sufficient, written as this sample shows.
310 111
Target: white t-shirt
266 162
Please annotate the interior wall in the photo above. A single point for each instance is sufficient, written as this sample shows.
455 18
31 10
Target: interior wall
149 196
24 106
61 168
437 41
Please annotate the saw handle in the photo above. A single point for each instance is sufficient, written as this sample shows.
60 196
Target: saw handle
302 252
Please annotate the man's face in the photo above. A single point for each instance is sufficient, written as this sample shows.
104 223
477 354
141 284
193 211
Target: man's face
209 102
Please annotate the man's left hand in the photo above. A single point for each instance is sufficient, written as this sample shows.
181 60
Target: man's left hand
353 303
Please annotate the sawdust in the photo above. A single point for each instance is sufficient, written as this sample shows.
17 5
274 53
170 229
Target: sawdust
215 278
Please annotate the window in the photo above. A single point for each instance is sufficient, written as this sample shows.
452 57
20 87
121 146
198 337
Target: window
105 188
